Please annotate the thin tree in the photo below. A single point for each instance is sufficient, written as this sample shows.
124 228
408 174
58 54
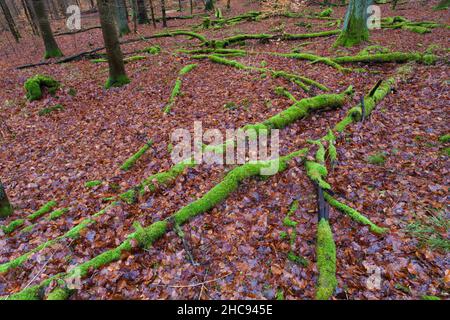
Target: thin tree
5 207
163 10
355 28
121 17
209 5
10 20
117 74
192 6
142 16
152 12
51 47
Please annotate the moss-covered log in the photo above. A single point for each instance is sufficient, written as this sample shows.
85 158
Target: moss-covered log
145 237
131 161
42 210
299 80
398 57
375 96
354 214
326 261
177 88
72 233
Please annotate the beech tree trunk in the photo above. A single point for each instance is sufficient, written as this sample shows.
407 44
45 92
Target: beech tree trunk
51 47
152 11
163 11
5 207
10 20
355 28
142 16
117 74
121 17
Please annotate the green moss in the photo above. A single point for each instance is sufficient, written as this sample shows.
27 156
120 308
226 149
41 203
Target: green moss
445 138
239 38
10 228
53 53
373 49
296 259
229 184
279 295
283 235
146 236
58 213
28 229
33 86
130 162
314 59
331 139
93 183
43 210
378 159
288 36
416 29
100 60
117 81
325 13
326 261
46 111
289 223
399 57
317 172
152 50
181 33
355 215
177 88
134 58
425 297
59 294
72 92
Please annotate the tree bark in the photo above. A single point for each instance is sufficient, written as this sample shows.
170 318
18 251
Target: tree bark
152 11
51 47
121 17
10 20
163 11
117 74
142 16
355 28
5 207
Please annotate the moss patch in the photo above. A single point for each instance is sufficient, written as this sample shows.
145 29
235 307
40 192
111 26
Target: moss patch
130 162
43 210
47 111
326 261
34 85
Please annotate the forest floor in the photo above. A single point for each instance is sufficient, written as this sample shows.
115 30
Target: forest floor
238 246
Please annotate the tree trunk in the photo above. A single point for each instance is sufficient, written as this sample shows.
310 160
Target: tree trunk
192 6
228 4
117 75
142 12
152 11
30 17
121 17
51 47
5 207
209 5
180 7
355 28
10 20
163 10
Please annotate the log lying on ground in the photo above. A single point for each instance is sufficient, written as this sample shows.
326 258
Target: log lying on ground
326 261
72 233
297 111
285 36
177 88
14 225
130 162
375 96
220 23
398 57
145 237
303 82
420 27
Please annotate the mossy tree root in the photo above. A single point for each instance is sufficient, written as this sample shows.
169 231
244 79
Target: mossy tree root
130 162
146 236
177 88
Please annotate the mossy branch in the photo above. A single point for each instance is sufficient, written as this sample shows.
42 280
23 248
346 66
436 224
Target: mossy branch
326 261
130 162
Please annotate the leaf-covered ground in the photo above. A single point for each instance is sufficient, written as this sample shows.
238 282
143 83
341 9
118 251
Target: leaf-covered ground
237 247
